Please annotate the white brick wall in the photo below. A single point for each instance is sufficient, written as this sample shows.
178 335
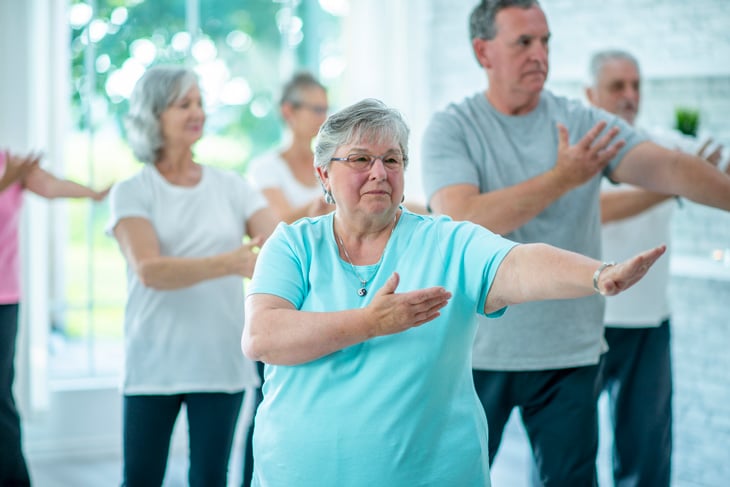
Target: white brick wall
684 49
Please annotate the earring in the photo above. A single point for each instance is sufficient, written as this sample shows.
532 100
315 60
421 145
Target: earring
328 198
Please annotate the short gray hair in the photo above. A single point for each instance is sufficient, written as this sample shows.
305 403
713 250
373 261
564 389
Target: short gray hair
369 119
301 81
600 58
482 22
157 89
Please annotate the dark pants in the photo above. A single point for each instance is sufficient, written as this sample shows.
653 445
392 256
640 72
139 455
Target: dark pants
248 455
637 374
148 425
13 471
559 412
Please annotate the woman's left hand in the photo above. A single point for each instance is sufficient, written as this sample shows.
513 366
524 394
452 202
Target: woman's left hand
394 313
617 278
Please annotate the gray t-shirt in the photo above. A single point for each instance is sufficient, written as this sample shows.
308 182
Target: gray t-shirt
472 143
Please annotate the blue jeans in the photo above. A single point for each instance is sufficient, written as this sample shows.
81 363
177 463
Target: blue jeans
559 412
637 375
148 425
13 470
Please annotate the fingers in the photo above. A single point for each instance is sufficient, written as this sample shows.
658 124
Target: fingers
701 151
563 136
715 156
390 285
256 241
604 149
425 305
631 271
586 142
653 254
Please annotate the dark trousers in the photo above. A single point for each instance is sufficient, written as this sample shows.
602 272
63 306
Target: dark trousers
559 412
13 470
637 375
148 426
248 455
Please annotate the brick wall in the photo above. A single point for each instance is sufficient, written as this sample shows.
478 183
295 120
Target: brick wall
684 50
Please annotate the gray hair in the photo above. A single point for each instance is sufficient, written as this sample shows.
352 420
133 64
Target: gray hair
600 58
301 81
157 89
369 119
482 24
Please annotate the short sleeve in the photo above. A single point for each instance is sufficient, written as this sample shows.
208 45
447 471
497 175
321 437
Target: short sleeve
280 268
127 199
265 171
446 154
248 199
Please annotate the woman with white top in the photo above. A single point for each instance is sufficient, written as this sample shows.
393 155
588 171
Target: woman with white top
285 176
180 226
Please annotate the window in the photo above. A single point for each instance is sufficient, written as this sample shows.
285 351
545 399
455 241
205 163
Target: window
243 52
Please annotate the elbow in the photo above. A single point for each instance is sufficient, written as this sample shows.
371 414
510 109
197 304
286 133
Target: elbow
250 346
250 341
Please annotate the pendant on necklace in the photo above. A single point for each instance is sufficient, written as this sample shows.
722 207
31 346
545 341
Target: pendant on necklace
362 292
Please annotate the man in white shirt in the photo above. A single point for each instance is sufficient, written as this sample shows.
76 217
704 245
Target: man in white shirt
637 372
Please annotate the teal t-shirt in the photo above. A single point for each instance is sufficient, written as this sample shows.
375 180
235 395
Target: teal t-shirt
394 410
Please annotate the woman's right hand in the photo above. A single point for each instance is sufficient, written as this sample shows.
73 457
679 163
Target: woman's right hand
17 167
243 259
396 312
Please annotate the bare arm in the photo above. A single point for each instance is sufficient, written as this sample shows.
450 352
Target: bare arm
507 209
289 213
139 245
625 203
277 333
655 168
261 224
45 184
535 272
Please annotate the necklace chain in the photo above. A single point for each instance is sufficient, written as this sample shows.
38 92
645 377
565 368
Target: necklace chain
362 292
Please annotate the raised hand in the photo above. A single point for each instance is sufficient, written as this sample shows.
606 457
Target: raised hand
618 278
711 157
17 167
394 313
578 163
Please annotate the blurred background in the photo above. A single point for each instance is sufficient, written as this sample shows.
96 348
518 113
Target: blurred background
68 67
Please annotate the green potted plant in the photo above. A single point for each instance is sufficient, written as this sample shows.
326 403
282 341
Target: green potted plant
687 120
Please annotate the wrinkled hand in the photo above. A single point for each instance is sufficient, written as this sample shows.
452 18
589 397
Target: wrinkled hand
243 259
17 167
578 163
394 313
714 156
618 278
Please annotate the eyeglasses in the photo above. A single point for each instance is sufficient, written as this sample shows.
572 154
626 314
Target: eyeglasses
318 109
363 162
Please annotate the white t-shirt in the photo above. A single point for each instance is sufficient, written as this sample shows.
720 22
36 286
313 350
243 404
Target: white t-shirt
271 171
646 303
187 340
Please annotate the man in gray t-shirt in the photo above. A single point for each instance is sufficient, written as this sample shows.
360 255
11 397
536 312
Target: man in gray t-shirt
527 164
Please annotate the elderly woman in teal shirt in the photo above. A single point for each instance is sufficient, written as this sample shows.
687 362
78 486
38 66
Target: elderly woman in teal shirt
365 318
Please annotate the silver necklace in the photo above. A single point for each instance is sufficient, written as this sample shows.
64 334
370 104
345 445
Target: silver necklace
362 292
